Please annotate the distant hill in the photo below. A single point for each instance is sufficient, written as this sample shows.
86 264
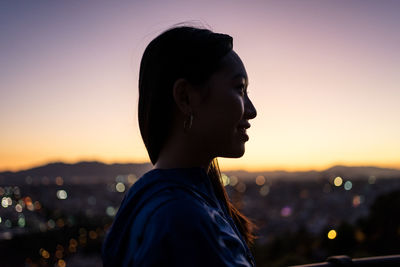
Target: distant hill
83 172
98 172
363 171
351 172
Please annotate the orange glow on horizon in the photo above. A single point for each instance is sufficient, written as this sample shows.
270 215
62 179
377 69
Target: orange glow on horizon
225 164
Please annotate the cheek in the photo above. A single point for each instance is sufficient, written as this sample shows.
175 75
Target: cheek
225 119
233 109
222 114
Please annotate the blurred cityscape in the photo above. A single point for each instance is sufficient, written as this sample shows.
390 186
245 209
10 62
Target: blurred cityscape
58 214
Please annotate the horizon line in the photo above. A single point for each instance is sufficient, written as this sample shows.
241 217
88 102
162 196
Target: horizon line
249 169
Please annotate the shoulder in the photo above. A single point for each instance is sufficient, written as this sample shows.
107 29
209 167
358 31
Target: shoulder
182 209
184 202
183 227
181 232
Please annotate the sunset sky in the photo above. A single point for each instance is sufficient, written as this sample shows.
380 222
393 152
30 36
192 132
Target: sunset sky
324 77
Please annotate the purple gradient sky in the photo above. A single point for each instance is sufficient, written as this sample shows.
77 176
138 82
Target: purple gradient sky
324 76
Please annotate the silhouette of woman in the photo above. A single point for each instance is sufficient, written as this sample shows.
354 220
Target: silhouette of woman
193 107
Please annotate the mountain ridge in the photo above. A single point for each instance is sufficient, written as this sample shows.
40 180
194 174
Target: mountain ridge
93 170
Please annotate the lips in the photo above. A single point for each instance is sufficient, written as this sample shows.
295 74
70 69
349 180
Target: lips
242 130
244 125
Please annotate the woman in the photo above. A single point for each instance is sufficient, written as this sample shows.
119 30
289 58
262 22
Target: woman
193 107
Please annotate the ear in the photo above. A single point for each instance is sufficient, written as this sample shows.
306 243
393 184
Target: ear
184 94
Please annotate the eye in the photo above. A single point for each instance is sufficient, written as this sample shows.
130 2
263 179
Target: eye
242 89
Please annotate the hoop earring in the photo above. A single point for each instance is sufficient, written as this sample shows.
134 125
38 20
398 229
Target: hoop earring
187 124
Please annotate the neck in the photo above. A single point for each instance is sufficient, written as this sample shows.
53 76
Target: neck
181 152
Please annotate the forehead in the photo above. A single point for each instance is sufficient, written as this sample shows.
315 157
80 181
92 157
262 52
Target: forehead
232 67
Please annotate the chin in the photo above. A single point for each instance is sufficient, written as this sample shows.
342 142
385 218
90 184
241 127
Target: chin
237 152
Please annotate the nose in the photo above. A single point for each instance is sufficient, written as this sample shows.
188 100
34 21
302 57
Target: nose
250 111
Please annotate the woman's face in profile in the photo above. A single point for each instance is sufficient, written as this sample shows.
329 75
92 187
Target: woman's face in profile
223 116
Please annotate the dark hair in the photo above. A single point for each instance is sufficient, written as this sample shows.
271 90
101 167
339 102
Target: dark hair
193 54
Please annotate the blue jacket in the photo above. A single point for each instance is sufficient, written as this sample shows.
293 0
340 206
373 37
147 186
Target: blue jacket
172 218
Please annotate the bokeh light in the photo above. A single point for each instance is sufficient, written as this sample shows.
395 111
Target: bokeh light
233 180
61 263
62 194
241 187
111 211
21 221
51 224
264 190
286 211
92 234
338 181
225 179
120 187
18 208
348 185
131 179
4 202
357 200
260 180
332 234
59 180
44 253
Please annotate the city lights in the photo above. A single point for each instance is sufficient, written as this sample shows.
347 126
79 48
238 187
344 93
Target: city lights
21 221
72 245
225 179
284 203
359 235
44 253
132 178
59 180
4 202
357 200
264 190
62 194
260 180
60 223
18 208
332 234
111 211
37 205
286 211
233 180
92 234
348 185
61 263
17 191
51 224
241 187
120 187
338 181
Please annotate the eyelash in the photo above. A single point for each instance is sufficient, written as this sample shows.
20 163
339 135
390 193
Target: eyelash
243 90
